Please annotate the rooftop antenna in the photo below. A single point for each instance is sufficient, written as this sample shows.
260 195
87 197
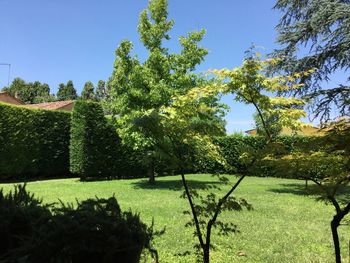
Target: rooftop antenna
8 77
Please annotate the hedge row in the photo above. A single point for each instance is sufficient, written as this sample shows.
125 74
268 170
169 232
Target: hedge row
33 142
233 145
36 143
94 146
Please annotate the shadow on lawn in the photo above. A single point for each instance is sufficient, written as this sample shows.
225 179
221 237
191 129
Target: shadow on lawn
176 184
20 180
343 194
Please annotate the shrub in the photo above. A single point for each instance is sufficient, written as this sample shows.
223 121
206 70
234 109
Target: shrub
33 142
20 215
94 143
95 231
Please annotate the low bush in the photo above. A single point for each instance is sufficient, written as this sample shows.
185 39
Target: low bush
20 214
95 231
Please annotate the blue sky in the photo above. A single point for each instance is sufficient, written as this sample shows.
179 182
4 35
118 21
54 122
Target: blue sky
59 40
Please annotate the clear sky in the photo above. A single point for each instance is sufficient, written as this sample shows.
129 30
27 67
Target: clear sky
59 40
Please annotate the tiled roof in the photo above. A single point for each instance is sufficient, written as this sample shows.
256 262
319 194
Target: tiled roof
6 93
50 105
308 130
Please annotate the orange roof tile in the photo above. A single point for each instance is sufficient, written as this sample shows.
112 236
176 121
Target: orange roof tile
50 105
6 93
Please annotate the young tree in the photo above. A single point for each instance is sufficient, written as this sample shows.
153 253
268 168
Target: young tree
248 83
88 91
66 92
183 134
321 26
137 87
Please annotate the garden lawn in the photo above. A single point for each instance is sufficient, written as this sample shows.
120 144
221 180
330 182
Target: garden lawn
286 225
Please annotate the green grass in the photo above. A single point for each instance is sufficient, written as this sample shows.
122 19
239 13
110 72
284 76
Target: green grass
285 226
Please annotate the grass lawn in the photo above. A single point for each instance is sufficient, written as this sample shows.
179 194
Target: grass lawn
286 225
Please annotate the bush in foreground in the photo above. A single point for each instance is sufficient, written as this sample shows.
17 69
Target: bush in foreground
95 231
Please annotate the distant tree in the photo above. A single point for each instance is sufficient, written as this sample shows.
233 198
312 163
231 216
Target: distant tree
101 92
17 87
61 93
66 92
322 27
32 92
40 92
137 87
88 91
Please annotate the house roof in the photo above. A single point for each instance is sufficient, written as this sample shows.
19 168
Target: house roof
7 94
50 105
308 130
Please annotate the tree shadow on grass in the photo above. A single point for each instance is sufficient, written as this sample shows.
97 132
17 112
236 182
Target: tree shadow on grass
312 190
176 184
23 179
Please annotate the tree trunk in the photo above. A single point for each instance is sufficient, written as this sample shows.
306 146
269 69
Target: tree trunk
206 250
195 218
334 228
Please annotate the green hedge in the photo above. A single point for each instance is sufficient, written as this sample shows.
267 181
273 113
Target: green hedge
34 143
233 145
94 143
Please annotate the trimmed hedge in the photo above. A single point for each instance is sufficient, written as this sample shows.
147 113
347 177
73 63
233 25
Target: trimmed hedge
38 143
94 144
34 143
231 147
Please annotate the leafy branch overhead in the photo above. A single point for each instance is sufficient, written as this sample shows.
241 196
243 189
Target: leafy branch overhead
321 28
251 84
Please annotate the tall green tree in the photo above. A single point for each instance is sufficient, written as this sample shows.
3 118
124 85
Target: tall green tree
32 92
40 92
137 87
323 28
101 92
88 91
66 92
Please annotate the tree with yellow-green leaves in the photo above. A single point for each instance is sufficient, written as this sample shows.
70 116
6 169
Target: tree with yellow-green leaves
249 84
